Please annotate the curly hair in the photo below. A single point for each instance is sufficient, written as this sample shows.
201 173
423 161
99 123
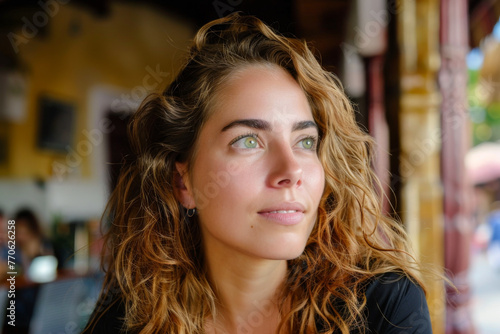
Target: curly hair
152 256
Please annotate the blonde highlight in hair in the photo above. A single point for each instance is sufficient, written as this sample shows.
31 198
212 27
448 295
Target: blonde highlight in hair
153 260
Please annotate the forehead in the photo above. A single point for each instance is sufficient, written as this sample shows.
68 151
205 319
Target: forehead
261 91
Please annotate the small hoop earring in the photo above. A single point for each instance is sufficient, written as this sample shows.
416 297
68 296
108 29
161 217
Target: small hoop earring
191 212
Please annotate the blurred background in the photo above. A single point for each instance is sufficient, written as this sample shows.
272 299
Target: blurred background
424 76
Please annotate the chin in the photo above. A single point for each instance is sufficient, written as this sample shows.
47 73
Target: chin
284 253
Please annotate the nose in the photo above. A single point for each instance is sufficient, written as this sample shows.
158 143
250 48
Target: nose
286 170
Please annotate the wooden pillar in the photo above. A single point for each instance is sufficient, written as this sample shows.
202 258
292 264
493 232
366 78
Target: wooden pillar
422 209
377 124
455 143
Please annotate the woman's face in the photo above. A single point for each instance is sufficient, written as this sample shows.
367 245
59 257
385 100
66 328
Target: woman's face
256 179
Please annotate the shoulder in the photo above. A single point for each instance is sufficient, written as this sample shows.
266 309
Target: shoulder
395 304
107 318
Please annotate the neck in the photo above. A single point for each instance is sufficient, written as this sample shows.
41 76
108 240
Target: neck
247 289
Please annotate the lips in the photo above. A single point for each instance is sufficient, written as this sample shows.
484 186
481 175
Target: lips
284 213
284 208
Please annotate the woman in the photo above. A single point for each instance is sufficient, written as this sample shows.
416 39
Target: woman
249 206
30 239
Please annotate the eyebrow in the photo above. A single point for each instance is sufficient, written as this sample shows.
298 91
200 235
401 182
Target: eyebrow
266 126
304 125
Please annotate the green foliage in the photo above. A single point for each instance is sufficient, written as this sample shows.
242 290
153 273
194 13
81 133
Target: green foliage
485 117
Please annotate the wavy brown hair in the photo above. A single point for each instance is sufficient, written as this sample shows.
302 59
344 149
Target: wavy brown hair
153 255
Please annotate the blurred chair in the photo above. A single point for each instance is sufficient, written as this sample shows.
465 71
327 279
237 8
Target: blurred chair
3 304
65 306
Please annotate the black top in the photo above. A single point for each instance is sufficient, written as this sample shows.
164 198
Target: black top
394 304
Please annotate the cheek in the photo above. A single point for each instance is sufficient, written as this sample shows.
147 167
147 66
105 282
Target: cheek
315 180
221 180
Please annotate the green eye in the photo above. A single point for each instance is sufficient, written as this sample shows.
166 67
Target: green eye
308 143
245 141
250 142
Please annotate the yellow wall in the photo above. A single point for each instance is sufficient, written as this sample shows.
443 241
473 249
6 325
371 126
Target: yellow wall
78 52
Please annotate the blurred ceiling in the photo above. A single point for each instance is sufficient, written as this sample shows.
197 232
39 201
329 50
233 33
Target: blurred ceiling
321 21
197 11
483 14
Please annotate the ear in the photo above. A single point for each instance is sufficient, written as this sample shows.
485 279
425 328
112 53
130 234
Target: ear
182 186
